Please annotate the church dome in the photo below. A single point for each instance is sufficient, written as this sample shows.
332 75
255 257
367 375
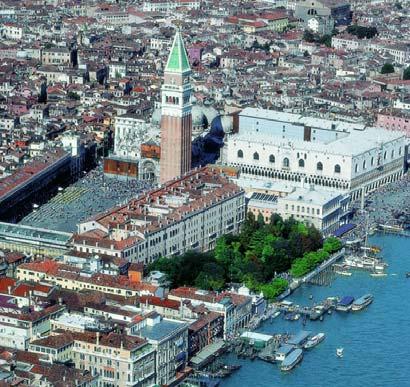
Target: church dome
222 123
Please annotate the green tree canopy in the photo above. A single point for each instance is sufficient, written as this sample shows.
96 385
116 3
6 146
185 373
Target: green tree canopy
406 73
387 69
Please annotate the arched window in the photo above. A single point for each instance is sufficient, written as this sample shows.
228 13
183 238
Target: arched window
400 151
337 168
256 156
286 162
356 168
301 163
240 154
319 166
364 164
271 158
385 155
372 161
392 153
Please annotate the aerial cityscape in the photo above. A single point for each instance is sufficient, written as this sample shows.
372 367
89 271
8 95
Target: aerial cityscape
204 193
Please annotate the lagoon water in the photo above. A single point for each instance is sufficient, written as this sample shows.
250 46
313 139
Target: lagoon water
376 341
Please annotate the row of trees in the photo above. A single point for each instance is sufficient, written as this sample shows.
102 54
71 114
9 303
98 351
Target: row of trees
311 260
362 32
254 257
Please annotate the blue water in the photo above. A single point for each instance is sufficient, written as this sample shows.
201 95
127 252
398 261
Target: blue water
376 341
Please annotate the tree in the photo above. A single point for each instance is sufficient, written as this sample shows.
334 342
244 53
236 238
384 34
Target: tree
211 277
387 69
362 32
73 95
406 74
308 36
274 288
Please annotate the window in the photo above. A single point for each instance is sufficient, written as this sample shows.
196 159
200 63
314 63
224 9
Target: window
271 158
372 161
240 154
319 166
337 168
301 163
364 164
385 155
286 162
392 154
256 156
356 168
400 151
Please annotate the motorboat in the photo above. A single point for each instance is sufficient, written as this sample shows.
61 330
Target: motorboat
362 302
339 352
342 272
292 360
315 340
378 274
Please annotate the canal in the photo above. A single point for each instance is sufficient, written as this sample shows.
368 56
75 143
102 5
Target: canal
376 341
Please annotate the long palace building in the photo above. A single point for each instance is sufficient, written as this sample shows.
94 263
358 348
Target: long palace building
334 155
188 213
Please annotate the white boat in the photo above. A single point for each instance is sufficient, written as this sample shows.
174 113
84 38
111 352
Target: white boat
292 359
347 273
276 314
315 340
339 352
378 274
362 302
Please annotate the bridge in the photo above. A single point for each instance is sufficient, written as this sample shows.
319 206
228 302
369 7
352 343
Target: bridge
322 275
33 240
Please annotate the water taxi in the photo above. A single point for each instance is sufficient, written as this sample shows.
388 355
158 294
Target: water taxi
291 360
362 302
315 340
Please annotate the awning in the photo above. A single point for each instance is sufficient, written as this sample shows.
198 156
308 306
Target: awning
344 229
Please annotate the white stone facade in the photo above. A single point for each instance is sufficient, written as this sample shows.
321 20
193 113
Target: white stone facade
278 146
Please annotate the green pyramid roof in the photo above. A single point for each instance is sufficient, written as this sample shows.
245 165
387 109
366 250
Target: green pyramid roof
178 58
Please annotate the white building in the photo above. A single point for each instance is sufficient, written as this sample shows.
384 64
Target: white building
321 25
130 133
344 156
12 31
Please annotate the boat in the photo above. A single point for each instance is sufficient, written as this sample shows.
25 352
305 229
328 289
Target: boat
345 304
340 272
408 274
339 352
378 274
315 340
362 302
292 360
276 314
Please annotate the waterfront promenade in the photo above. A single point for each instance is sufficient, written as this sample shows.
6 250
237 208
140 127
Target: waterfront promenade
375 341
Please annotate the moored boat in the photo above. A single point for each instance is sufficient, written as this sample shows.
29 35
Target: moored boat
315 340
345 304
292 360
362 302
339 352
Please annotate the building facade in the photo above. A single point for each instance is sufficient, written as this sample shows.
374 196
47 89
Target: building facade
338 155
185 214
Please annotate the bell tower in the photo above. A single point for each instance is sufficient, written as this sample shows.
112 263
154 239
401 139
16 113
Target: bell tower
176 119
